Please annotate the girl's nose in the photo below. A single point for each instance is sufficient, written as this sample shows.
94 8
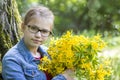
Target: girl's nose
38 34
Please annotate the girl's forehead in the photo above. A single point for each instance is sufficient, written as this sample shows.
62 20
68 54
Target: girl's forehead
40 19
40 22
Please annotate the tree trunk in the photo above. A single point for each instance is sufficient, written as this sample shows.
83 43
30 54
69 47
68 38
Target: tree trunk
9 25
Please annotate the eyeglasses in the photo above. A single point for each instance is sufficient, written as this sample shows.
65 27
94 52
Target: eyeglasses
34 29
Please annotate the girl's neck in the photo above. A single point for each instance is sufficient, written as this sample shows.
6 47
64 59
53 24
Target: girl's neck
33 50
37 55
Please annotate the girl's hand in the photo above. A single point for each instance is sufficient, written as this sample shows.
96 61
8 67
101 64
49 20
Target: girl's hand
69 74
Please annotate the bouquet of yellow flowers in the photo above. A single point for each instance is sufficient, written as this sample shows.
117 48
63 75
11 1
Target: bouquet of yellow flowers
76 52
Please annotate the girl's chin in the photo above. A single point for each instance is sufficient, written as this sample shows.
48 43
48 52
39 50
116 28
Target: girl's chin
36 45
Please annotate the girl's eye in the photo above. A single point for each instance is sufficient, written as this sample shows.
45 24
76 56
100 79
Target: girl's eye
44 31
34 28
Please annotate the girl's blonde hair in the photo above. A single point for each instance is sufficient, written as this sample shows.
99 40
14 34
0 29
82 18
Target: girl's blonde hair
43 12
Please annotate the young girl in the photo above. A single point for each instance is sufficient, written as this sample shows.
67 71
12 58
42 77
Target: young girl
20 62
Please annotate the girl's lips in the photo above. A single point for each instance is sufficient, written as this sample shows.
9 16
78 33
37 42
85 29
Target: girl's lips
36 41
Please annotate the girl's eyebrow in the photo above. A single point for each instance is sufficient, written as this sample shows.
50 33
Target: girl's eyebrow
38 27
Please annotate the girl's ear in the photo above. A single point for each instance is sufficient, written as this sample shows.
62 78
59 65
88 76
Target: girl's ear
22 27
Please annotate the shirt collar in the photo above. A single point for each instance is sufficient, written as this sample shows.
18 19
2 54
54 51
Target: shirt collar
24 51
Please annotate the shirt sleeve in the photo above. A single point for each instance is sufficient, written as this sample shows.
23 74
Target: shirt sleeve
11 69
59 77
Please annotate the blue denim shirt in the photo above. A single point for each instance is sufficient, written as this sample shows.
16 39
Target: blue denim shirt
19 64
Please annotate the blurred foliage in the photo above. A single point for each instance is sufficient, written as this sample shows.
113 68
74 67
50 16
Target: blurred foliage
24 5
102 16
112 42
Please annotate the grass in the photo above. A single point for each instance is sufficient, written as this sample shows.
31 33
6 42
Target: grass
114 50
116 69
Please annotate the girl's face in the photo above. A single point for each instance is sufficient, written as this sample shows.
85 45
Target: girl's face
36 32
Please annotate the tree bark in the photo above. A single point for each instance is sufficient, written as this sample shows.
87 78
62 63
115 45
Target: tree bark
9 25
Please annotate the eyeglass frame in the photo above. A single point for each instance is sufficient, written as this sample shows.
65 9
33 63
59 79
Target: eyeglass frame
37 30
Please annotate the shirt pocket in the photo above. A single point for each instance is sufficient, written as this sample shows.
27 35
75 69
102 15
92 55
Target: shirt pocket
31 73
